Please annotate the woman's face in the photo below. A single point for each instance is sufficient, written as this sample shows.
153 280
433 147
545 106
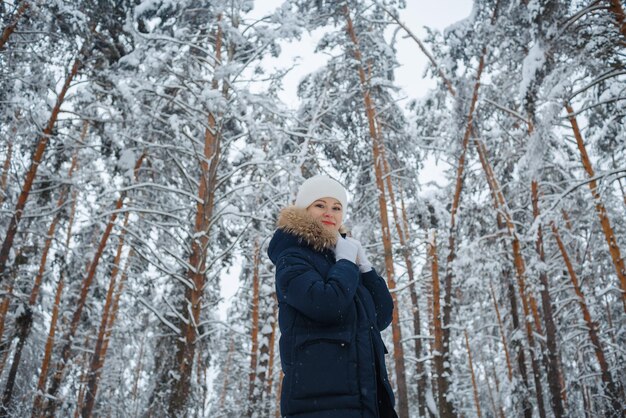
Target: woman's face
328 211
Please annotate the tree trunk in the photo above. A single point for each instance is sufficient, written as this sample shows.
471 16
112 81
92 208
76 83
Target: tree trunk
403 406
51 229
458 187
4 308
80 304
586 403
101 352
98 357
7 298
417 328
518 346
6 33
32 171
611 388
278 393
116 304
25 321
495 406
520 269
254 334
5 171
23 324
264 359
618 11
437 354
609 234
135 390
502 334
45 364
449 411
270 372
502 226
186 345
469 356
201 379
553 372
226 374
81 392
402 228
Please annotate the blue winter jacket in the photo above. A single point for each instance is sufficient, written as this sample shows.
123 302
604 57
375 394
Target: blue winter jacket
330 318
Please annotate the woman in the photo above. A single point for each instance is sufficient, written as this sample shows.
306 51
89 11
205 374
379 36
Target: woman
332 307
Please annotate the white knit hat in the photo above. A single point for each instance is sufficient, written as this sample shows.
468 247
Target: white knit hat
318 187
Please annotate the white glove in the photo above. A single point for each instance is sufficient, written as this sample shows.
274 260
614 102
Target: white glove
361 259
346 250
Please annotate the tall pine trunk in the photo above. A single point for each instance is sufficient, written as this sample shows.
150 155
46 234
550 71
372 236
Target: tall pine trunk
26 320
417 328
80 305
98 357
520 356
449 411
448 408
29 178
226 374
253 390
618 11
611 389
437 354
502 226
7 295
402 228
502 334
553 371
135 391
263 369
5 171
471 367
45 363
609 234
116 304
186 345
6 33
402 393
520 269
267 405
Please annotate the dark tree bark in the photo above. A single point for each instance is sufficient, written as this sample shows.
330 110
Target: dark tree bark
6 33
80 305
36 159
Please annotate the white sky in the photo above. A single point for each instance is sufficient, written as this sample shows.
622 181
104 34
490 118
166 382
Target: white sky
409 76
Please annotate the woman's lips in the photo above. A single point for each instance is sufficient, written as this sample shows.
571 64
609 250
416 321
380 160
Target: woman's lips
328 223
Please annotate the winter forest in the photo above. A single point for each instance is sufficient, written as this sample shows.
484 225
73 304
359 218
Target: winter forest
145 154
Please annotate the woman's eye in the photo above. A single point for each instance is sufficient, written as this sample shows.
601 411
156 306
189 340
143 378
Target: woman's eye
338 209
319 205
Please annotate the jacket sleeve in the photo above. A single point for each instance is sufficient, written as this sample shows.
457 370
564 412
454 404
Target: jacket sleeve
322 299
382 298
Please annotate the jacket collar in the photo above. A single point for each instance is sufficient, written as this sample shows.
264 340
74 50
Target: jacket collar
298 222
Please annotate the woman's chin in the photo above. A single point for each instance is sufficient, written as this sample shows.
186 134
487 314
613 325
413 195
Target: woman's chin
331 228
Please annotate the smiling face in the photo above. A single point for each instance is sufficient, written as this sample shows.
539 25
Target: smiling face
328 211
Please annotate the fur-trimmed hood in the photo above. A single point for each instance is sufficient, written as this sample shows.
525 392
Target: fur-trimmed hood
297 228
298 222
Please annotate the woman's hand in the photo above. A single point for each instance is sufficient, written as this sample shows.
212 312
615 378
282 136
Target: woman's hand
361 258
346 249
